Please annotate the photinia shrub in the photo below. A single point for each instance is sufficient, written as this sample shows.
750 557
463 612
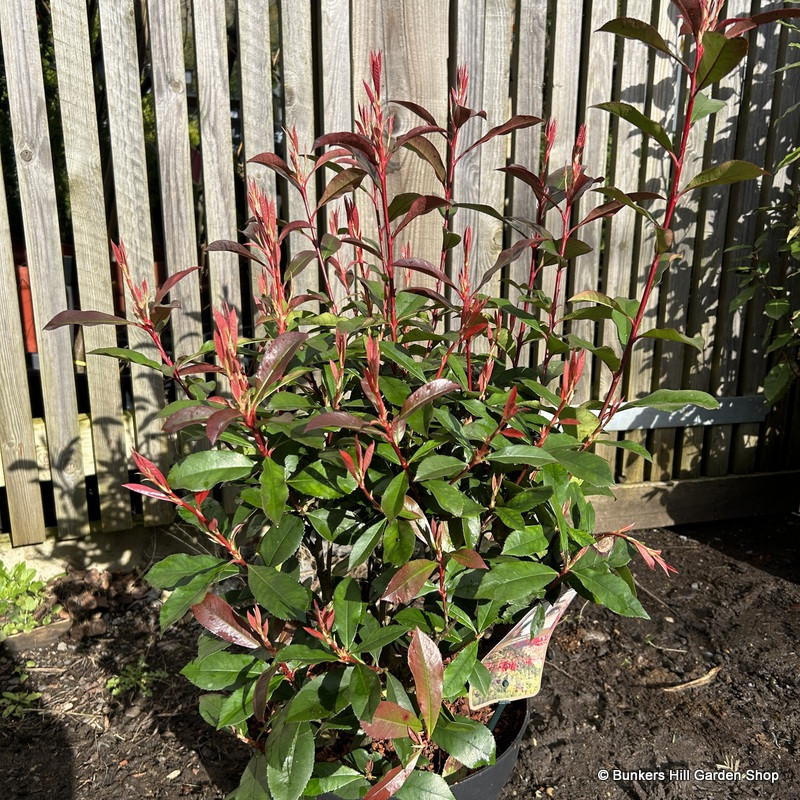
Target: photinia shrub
404 480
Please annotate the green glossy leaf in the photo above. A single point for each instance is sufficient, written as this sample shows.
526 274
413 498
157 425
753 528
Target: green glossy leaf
720 57
458 671
704 106
674 400
525 542
513 580
281 541
204 470
400 357
424 785
635 117
290 759
398 542
222 670
467 740
521 455
365 544
253 783
346 782
122 353
279 593
274 491
636 29
609 589
392 500
323 480
349 610
180 568
364 692
670 334
626 444
586 466
380 638
439 467
237 707
305 654
322 697
722 174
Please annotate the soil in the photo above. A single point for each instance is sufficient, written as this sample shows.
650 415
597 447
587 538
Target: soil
666 707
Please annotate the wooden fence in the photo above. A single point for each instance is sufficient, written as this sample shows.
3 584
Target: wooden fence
134 120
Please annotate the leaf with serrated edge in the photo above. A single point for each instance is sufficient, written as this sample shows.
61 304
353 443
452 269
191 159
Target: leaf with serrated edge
214 614
425 662
390 721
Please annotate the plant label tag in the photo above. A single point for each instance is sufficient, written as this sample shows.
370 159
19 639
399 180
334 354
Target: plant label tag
516 663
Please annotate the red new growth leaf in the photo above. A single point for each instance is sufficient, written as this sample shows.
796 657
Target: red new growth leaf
228 246
422 205
148 491
391 781
214 614
189 415
408 580
390 721
515 123
425 662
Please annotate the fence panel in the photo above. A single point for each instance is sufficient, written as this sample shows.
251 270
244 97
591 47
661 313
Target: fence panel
37 194
197 66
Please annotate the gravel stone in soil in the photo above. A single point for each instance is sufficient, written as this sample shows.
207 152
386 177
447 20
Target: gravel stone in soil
729 618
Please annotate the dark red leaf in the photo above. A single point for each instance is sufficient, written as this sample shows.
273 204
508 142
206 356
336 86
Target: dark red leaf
361 245
739 25
350 141
228 246
422 205
171 281
290 227
420 130
219 421
469 558
408 580
277 356
427 151
418 110
277 163
421 265
427 394
517 122
215 615
188 415
461 114
348 180
89 318
507 256
425 662
195 369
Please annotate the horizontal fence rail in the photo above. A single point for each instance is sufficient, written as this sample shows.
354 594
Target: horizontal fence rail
135 119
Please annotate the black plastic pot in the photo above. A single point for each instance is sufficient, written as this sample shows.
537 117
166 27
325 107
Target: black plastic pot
488 782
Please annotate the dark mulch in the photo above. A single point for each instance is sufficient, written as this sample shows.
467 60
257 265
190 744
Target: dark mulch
730 616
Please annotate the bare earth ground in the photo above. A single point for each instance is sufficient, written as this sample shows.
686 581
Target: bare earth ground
730 616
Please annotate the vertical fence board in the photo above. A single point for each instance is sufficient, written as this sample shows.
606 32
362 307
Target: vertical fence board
415 68
255 72
742 225
82 149
627 161
337 95
599 68
708 309
126 127
530 78
298 92
175 169
17 445
211 52
43 244
484 45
